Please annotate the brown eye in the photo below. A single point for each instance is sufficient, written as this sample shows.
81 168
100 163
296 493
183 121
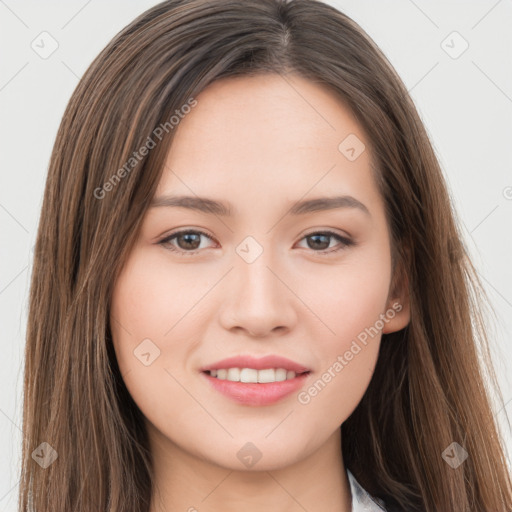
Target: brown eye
321 241
187 241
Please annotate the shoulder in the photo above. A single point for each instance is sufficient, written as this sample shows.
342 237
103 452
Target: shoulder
361 500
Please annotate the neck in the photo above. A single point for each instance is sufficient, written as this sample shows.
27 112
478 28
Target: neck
186 482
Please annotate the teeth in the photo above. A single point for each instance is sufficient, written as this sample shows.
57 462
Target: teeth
250 375
280 374
233 374
267 375
246 375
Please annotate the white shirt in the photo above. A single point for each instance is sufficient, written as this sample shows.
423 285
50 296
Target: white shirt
361 500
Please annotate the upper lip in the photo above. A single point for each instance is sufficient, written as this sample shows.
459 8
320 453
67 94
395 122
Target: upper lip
270 361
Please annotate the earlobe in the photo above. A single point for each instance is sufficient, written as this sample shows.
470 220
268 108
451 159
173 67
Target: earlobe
398 315
398 306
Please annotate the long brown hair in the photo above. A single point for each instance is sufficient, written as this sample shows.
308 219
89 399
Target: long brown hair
428 389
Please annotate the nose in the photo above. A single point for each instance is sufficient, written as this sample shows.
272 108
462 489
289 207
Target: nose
258 300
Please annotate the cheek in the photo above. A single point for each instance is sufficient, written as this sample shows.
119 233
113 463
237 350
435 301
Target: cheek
141 313
148 300
350 297
349 305
150 322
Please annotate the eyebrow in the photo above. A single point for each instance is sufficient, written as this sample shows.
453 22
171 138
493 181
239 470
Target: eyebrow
206 205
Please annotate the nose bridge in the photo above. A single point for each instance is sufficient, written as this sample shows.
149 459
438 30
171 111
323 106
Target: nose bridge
259 300
256 281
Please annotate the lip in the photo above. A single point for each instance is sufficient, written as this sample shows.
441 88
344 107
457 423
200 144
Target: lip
270 361
255 394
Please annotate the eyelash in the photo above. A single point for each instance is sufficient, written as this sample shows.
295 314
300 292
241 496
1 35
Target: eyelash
345 242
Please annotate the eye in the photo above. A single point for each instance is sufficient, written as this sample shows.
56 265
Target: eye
320 240
189 241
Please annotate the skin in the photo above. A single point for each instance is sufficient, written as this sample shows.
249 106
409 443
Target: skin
260 143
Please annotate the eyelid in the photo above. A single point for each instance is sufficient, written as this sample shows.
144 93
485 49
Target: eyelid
330 231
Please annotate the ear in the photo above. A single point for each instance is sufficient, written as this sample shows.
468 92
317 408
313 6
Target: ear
398 300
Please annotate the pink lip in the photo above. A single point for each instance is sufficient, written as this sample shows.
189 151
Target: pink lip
256 394
270 361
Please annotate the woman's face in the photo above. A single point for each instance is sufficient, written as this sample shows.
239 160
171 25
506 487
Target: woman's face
264 280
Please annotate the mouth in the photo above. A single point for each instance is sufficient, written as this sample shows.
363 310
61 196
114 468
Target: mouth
256 388
256 381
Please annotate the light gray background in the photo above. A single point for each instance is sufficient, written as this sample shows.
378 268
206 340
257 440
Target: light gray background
465 102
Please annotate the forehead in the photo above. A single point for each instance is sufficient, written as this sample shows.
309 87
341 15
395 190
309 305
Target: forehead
268 112
280 133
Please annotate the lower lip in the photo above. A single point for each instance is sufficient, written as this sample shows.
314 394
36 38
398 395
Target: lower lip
257 394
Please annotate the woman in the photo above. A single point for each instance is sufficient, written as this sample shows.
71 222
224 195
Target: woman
194 346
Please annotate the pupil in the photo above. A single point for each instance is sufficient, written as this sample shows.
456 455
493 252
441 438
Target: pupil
315 237
188 241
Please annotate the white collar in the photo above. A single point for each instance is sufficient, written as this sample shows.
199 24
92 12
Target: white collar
361 500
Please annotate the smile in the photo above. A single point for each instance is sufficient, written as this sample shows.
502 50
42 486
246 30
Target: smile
251 375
